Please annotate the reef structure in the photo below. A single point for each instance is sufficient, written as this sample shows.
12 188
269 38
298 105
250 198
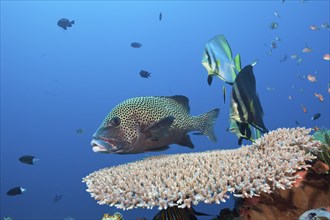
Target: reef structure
184 180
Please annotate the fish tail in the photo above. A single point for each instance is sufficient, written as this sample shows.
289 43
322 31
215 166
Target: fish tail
205 123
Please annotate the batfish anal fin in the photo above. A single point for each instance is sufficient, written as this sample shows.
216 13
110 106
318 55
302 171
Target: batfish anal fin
209 79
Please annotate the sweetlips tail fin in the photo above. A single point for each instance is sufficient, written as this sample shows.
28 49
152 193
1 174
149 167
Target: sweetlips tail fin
205 123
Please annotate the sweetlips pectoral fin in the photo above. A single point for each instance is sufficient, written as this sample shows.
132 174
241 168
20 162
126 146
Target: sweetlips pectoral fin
186 141
159 128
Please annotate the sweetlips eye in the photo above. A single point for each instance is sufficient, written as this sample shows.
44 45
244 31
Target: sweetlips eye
115 121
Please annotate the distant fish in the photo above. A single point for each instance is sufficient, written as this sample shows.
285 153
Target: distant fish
277 14
311 78
314 27
299 61
277 38
273 26
297 123
28 159
16 191
57 198
160 16
273 45
285 57
136 45
319 96
294 56
270 89
303 108
65 23
316 116
326 57
307 50
270 52
80 131
325 26
144 74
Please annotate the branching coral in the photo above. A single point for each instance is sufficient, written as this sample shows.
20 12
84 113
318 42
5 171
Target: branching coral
184 180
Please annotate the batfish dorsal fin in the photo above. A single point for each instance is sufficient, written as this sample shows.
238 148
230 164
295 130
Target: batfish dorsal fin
182 100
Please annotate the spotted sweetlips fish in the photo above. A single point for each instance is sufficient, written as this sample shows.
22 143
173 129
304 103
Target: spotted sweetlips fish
151 123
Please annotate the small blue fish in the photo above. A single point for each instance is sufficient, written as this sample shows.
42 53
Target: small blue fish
65 23
57 198
144 74
136 45
273 26
16 191
316 116
28 159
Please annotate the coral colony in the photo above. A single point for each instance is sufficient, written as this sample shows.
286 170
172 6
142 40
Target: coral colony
184 180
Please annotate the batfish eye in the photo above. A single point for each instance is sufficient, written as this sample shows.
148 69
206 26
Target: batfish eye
115 121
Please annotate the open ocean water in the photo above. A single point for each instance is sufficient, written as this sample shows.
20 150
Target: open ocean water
58 85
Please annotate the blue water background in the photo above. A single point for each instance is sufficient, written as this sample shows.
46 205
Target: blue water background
54 82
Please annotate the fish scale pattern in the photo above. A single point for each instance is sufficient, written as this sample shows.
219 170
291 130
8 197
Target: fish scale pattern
143 111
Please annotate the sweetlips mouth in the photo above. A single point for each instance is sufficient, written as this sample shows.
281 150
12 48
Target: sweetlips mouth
103 145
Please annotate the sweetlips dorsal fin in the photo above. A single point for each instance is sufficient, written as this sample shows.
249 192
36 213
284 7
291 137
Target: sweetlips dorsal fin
182 100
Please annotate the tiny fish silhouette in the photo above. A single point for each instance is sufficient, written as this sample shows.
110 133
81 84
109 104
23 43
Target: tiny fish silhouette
316 116
15 191
28 159
65 23
136 45
144 74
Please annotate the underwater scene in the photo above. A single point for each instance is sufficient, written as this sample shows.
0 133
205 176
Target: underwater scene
142 110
